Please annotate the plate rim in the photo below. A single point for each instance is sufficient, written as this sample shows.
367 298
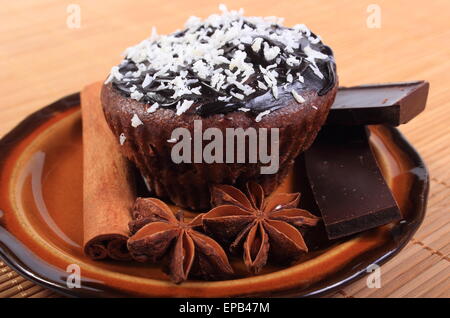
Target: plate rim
27 125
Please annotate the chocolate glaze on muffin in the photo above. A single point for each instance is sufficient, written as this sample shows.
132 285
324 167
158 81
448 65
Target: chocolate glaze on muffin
228 71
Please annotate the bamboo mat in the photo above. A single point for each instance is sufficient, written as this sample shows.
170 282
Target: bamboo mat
39 52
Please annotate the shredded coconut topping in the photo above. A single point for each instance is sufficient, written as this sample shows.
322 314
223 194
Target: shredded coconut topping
135 121
122 139
153 108
225 58
261 115
297 97
184 106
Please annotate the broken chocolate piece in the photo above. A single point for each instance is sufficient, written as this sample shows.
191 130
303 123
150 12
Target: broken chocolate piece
391 104
347 183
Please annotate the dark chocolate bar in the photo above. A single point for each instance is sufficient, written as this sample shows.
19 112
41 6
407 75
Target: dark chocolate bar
391 104
347 183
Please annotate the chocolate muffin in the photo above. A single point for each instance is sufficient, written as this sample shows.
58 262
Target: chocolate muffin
227 71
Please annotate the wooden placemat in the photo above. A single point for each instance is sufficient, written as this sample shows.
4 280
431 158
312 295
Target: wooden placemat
51 58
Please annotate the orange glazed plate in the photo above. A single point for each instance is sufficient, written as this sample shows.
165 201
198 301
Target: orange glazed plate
41 230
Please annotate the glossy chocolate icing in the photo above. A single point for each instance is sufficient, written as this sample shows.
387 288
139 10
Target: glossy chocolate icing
208 104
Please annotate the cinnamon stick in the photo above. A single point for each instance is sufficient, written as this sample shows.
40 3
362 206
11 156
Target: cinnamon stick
108 191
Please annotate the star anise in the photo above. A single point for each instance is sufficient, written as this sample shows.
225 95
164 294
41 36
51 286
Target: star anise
159 235
262 227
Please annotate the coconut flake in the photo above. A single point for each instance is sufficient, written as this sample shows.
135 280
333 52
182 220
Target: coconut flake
114 74
275 91
313 54
136 95
292 61
184 106
256 46
316 71
297 96
147 81
289 78
302 28
196 90
224 98
262 86
237 95
153 108
135 121
122 139
201 69
271 53
261 115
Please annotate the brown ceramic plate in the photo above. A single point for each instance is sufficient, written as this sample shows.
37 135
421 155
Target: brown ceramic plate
41 220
